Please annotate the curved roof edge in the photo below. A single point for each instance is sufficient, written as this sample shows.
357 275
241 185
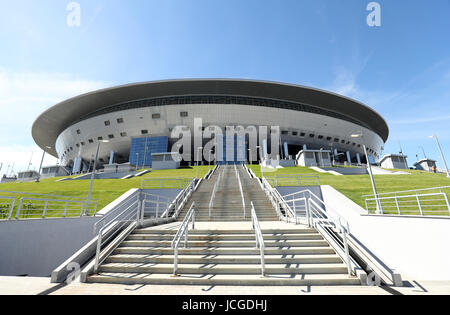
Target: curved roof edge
57 118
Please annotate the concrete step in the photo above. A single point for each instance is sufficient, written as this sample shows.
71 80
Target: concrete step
129 250
248 280
208 269
227 232
232 244
224 259
237 237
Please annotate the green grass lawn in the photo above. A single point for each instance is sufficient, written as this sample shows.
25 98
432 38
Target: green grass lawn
355 186
105 190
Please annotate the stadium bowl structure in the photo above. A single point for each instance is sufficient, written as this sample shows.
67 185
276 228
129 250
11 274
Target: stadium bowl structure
307 116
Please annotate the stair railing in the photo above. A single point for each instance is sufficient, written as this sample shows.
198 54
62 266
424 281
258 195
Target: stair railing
214 192
111 224
241 190
154 206
181 200
259 239
182 231
321 215
278 202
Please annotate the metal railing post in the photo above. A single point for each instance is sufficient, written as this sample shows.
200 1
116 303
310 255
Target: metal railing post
11 210
347 252
175 262
398 206
307 205
97 255
446 201
157 207
19 208
65 208
418 202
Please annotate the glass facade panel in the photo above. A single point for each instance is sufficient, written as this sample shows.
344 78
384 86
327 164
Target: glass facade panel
142 149
234 150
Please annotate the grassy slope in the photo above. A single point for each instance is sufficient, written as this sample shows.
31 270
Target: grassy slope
106 190
355 186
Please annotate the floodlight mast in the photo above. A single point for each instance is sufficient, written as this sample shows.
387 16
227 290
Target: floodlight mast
369 169
442 154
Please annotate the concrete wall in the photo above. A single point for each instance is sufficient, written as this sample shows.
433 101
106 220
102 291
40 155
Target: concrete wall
36 247
417 247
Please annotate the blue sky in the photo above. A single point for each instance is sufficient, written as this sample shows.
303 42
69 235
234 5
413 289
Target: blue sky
401 69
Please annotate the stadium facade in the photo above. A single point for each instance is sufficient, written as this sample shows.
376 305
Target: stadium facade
139 119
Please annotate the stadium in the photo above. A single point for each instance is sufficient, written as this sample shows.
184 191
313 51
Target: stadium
138 119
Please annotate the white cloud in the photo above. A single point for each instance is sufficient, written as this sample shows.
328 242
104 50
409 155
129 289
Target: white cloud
23 97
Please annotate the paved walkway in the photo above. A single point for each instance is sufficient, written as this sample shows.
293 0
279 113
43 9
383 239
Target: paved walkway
34 286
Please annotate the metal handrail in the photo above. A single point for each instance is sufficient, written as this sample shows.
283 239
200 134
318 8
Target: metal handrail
37 194
116 223
320 214
46 201
166 201
181 181
214 192
408 191
11 207
241 190
313 179
277 201
416 199
247 170
259 239
182 231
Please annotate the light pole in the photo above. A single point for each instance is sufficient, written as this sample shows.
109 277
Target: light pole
442 154
86 212
198 150
40 166
369 169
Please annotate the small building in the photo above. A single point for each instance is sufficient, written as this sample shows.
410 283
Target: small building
54 171
166 161
321 158
394 161
27 176
6 179
425 165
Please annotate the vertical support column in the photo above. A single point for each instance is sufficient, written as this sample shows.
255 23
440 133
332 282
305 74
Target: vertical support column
349 158
358 158
111 158
286 150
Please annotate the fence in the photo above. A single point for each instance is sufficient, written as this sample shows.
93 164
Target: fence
165 183
155 206
294 180
19 205
427 201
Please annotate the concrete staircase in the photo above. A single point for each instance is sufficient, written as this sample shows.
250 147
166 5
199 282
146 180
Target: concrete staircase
294 256
228 201
222 250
